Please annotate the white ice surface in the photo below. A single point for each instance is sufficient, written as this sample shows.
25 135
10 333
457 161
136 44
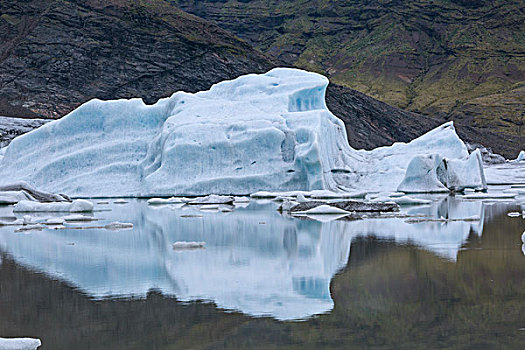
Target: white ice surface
258 132
19 343
78 205
505 173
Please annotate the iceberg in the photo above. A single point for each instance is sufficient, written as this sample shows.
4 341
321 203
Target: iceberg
269 132
433 173
77 206
19 343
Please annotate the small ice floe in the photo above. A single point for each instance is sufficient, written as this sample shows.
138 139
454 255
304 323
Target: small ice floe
188 245
212 199
78 205
19 343
241 200
55 221
322 210
78 218
209 207
117 226
523 237
103 202
226 210
120 201
162 201
514 214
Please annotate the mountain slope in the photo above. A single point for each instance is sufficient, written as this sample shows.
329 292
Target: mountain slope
454 59
55 55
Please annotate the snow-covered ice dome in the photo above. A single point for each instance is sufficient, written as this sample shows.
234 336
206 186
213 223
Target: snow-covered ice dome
258 132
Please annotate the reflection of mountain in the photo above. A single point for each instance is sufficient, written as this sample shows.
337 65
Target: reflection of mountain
390 296
255 260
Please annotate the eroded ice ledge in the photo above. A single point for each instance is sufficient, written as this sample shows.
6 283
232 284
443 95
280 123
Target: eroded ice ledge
268 132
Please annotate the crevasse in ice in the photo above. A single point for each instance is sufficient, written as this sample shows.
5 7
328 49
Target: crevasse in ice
258 132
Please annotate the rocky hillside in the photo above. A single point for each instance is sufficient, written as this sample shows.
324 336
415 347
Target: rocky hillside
55 55
454 59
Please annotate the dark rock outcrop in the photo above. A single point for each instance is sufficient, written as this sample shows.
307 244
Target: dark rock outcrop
55 55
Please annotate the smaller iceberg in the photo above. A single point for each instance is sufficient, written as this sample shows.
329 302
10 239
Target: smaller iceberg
433 173
19 343
521 157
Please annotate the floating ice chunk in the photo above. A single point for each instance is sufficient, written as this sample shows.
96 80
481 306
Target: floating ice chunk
116 226
188 245
523 237
78 205
241 200
212 199
55 221
514 214
226 210
160 201
120 201
19 343
326 218
322 210
81 205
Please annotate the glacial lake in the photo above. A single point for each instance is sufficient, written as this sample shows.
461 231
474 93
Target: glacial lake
267 280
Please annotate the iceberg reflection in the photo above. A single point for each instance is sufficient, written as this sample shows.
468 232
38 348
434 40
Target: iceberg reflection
256 261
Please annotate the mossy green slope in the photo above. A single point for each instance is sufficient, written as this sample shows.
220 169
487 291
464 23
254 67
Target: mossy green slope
454 59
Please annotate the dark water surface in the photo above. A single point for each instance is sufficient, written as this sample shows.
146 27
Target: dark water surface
269 281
